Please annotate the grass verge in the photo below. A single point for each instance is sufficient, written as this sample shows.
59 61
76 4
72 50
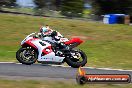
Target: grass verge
54 84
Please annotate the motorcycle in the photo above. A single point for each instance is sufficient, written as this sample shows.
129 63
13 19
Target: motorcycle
34 49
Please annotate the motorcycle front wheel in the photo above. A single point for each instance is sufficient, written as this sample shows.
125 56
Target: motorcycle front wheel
77 62
26 55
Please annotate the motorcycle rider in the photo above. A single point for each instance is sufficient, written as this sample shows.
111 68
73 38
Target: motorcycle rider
52 36
46 32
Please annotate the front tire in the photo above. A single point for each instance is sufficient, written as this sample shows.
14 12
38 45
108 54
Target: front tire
26 55
77 64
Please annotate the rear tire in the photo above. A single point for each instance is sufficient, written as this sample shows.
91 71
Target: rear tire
77 64
23 54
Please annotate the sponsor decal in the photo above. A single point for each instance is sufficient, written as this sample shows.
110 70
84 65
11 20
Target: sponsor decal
83 78
48 58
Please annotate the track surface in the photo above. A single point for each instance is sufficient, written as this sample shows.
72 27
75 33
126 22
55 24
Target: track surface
39 70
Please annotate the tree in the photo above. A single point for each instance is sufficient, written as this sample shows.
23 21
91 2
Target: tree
49 4
12 2
4 2
72 7
57 4
39 3
112 6
7 2
43 6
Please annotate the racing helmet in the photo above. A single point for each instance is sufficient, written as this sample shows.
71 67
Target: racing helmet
44 29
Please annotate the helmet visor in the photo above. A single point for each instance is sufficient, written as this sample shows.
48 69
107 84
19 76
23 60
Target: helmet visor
44 29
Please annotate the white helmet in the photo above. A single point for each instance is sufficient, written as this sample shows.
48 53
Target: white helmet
44 29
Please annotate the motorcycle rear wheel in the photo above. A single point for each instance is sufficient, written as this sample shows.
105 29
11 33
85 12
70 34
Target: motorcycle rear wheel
26 55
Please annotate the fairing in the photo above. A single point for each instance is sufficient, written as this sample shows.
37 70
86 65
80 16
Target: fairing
74 40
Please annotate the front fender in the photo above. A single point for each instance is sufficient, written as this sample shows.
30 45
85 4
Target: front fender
29 44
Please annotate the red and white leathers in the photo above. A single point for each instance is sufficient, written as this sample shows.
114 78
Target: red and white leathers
47 34
52 36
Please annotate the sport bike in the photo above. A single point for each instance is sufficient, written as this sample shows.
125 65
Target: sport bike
35 49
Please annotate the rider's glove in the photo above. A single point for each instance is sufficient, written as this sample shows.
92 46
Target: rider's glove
53 34
36 36
56 38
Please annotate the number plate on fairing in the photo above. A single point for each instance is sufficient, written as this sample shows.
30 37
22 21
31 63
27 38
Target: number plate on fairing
51 57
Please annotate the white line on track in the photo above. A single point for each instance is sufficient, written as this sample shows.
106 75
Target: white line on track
6 62
82 67
18 63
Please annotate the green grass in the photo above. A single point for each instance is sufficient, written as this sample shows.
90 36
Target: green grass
54 84
106 46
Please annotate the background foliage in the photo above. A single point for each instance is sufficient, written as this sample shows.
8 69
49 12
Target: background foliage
112 6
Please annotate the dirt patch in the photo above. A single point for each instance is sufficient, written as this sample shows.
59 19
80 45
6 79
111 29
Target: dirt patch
82 37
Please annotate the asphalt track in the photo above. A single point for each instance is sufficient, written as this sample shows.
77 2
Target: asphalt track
47 71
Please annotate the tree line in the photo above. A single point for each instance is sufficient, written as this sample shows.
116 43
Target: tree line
7 2
112 6
68 7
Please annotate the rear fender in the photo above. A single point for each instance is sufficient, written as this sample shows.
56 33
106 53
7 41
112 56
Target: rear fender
74 40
